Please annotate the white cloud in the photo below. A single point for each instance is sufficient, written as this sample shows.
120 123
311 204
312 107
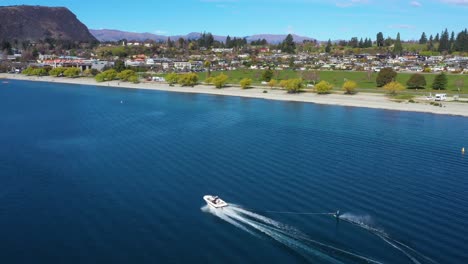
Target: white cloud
456 2
415 4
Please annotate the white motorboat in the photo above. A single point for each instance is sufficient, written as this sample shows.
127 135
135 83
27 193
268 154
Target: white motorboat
214 201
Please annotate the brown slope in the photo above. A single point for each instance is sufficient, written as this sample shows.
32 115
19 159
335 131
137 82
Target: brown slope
38 22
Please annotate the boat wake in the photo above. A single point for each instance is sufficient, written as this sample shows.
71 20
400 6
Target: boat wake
365 222
259 225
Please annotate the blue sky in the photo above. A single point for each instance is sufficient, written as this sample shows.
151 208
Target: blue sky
335 19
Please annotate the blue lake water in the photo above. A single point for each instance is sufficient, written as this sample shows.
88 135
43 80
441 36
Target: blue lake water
100 175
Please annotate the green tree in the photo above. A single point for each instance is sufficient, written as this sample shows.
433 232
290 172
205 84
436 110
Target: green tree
386 75
380 39
444 42
245 83
416 81
398 48
72 72
440 82
393 87
323 87
125 75
172 78
220 80
423 39
58 71
288 44
188 79
134 79
28 71
267 75
294 85
119 65
108 75
350 87
39 72
329 46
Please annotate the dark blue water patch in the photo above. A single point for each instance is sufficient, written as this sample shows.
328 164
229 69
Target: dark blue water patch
96 175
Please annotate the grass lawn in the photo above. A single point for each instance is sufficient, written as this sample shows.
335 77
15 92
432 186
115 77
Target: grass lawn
337 78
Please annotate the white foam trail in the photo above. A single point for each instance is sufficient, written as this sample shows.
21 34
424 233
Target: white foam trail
366 222
266 220
286 235
224 217
397 247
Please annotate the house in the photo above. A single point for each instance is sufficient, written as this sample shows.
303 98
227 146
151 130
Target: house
182 65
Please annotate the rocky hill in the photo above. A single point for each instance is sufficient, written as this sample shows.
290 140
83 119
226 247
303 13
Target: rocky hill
38 22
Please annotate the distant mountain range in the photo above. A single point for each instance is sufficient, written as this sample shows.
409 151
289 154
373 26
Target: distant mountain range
34 23
116 35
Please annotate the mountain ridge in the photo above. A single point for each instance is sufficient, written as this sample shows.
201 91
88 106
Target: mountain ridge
116 35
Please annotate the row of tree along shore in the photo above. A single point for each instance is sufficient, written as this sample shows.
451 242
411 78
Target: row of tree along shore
386 79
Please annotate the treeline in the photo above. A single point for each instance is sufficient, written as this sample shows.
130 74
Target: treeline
445 42
207 41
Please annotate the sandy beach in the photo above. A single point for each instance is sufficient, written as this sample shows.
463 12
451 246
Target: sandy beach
368 100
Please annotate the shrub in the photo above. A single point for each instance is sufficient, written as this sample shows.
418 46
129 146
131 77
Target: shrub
172 78
209 80
134 79
72 72
283 83
125 75
394 87
385 76
294 85
323 87
57 71
108 75
188 79
272 83
416 81
28 71
220 80
350 87
39 72
245 83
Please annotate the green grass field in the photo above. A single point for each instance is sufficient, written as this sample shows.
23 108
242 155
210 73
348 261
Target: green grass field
337 78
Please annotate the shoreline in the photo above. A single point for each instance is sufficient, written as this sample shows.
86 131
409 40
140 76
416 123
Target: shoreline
366 100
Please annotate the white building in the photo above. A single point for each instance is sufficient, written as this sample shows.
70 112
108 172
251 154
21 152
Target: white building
182 65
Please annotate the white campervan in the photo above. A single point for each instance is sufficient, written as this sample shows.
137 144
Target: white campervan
440 97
